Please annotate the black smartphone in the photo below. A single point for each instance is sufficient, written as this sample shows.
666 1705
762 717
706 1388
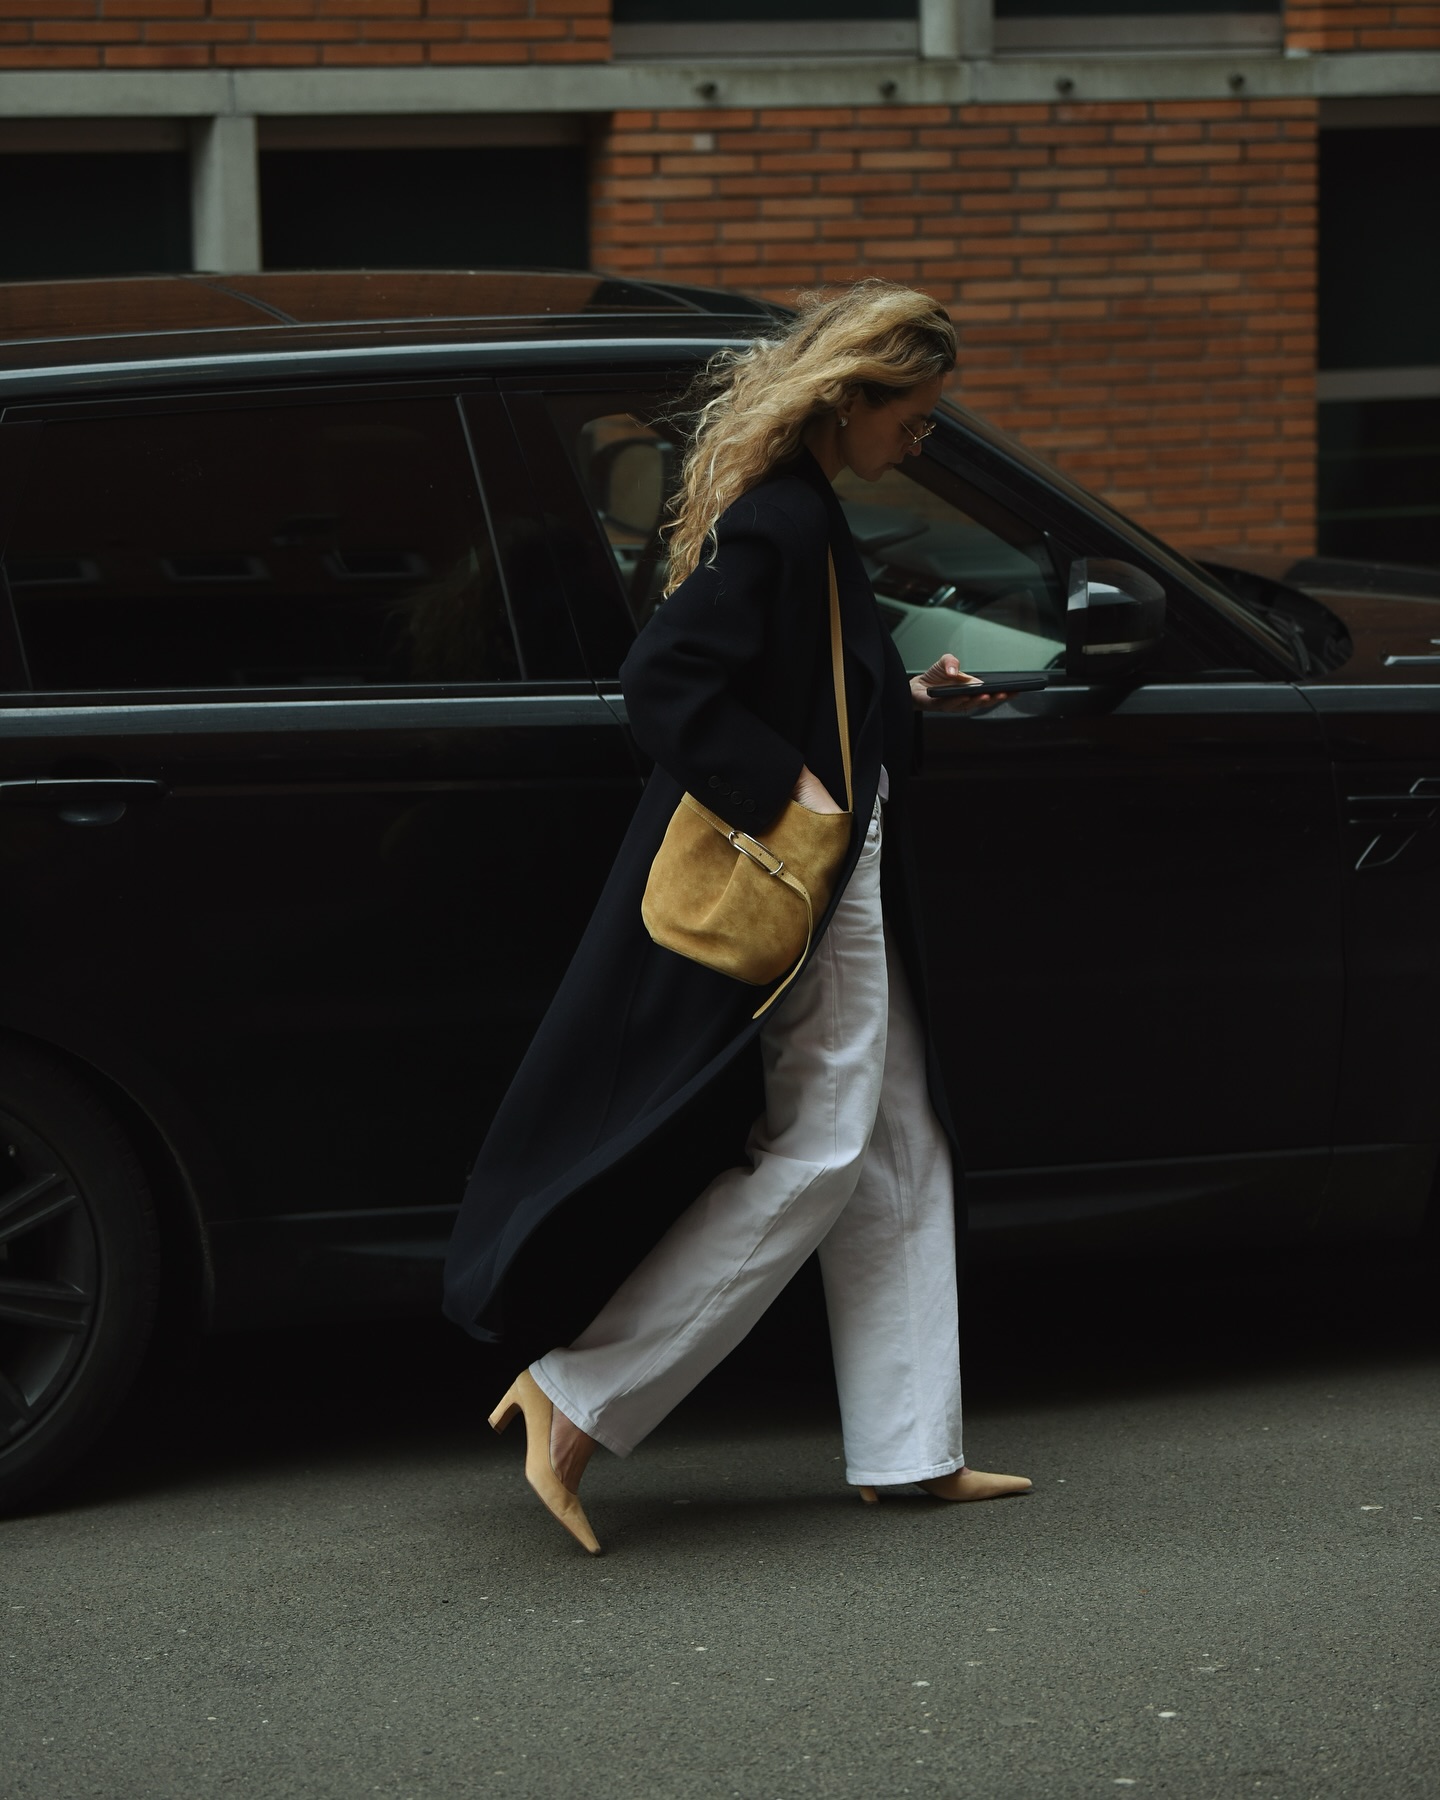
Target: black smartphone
1019 683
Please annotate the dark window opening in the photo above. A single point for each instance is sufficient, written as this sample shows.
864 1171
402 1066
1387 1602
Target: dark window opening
77 213
481 207
1379 345
1380 480
1379 263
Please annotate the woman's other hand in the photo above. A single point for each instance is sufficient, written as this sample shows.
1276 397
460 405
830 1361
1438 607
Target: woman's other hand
812 793
948 673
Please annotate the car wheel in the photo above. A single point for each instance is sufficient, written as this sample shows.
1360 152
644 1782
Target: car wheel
79 1269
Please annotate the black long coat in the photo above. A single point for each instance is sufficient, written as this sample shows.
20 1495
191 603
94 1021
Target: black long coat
644 1076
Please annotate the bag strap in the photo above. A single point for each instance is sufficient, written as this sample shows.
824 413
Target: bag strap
837 663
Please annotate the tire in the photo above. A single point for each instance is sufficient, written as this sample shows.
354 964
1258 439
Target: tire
79 1270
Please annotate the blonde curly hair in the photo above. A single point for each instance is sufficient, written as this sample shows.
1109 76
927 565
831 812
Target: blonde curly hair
751 407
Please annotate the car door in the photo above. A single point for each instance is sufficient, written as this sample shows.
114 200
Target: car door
1381 715
1131 890
307 674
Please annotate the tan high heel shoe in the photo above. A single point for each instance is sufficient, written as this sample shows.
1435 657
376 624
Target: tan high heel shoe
964 1484
526 1396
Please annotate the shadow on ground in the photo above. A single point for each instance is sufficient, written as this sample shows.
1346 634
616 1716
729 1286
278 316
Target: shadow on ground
1036 1333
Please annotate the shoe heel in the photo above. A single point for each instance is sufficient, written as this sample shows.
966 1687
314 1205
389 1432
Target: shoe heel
505 1411
562 1503
869 1496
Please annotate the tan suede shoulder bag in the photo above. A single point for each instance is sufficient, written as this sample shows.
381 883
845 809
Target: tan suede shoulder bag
746 909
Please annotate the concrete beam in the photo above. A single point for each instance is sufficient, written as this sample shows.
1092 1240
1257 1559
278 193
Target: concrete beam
224 194
602 88
116 93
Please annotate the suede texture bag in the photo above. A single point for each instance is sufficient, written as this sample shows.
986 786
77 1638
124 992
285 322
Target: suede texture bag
744 907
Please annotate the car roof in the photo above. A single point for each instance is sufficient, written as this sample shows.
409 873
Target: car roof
142 305
142 320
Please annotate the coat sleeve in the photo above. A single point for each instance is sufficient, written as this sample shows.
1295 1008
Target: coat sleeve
680 678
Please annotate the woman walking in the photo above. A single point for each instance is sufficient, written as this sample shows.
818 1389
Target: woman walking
663 1134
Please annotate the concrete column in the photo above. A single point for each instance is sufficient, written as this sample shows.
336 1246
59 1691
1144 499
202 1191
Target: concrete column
950 28
224 195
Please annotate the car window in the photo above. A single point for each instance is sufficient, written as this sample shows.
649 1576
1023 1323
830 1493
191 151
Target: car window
289 545
628 463
952 570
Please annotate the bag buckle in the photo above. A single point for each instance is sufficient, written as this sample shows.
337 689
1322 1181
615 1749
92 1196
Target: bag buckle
756 851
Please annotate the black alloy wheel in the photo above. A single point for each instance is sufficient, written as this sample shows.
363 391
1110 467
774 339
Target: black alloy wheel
79 1269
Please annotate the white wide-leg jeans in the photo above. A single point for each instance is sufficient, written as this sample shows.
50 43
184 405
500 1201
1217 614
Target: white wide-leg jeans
848 1158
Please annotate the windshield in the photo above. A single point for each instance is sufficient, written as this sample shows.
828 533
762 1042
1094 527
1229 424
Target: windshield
1191 573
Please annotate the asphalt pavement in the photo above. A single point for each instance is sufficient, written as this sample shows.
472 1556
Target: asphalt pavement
304 1567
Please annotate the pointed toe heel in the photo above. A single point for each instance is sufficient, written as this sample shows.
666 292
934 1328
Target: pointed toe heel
526 1396
964 1484
975 1484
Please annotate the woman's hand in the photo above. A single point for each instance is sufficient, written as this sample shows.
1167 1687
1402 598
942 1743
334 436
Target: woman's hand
812 793
948 673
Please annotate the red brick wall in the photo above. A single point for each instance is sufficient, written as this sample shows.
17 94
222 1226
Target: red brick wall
187 34
1134 285
1362 25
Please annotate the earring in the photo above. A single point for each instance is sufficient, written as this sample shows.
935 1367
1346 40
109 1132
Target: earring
844 419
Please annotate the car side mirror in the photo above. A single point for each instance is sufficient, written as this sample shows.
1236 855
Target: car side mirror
1114 619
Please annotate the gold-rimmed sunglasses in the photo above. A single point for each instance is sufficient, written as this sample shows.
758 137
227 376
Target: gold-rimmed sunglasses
917 438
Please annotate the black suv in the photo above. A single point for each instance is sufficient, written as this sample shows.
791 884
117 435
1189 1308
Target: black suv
313 593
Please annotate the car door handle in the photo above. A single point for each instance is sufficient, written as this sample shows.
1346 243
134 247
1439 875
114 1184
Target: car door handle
83 799
1393 809
1393 821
